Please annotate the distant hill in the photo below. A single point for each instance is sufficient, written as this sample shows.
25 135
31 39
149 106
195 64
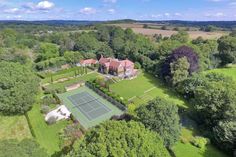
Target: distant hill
52 22
221 24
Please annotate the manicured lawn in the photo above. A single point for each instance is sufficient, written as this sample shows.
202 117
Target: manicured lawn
188 150
14 127
60 74
46 135
66 83
226 71
144 88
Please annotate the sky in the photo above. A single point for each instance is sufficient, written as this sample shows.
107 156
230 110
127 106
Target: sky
194 10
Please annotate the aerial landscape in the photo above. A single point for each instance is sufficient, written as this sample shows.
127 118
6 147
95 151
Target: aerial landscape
117 78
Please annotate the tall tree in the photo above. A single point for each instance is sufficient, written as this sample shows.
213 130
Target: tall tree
180 52
161 116
181 36
120 138
214 98
179 70
46 51
18 88
227 49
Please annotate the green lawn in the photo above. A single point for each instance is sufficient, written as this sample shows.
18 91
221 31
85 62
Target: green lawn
144 88
226 71
66 83
14 127
188 150
46 135
60 74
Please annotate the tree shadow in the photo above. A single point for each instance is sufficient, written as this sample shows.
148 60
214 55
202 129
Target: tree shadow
212 151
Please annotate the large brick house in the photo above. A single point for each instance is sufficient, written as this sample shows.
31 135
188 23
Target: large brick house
121 68
88 62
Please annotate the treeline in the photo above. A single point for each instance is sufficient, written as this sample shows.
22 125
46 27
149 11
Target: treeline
224 25
52 49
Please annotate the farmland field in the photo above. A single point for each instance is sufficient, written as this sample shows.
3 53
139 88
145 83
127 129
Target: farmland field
14 127
138 28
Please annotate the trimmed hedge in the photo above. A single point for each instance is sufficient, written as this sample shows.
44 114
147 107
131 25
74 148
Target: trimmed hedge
106 94
30 125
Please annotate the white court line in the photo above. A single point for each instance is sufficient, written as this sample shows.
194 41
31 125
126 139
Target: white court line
149 89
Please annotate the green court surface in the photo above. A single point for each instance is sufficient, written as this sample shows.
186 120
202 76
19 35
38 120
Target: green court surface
88 107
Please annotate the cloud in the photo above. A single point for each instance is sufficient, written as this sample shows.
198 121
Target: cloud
167 14
232 4
218 14
110 1
156 15
45 5
88 11
178 14
111 11
11 10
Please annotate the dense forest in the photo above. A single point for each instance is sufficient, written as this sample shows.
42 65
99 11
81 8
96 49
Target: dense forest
178 61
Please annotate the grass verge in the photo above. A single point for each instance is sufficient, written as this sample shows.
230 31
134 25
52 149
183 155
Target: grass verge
14 127
46 135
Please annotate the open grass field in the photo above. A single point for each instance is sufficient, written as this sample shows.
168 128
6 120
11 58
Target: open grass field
46 135
144 88
14 127
188 150
88 107
138 28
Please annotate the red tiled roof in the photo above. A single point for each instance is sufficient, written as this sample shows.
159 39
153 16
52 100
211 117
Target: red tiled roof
88 61
107 64
127 63
115 63
104 60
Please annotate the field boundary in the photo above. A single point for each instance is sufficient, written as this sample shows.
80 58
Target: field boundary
30 125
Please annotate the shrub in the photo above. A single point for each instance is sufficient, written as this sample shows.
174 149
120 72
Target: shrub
183 140
137 65
47 100
73 118
200 142
45 109
51 120
60 90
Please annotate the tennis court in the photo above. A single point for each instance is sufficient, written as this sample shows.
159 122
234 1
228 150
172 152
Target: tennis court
88 107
